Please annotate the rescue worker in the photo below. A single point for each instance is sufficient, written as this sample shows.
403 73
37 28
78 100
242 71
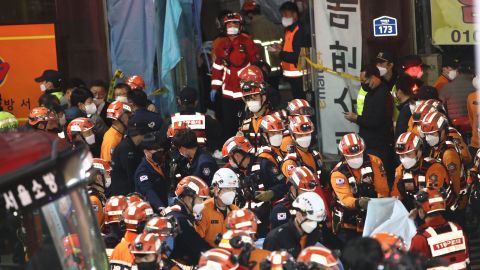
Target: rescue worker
188 244
218 258
473 109
113 217
119 113
137 83
281 260
242 220
301 180
201 195
318 258
150 180
391 243
295 107
434 127
255 98
233 53
473 181
437 237
100 172
167 229
356 179
303 229
289 53
81 130
44 119
272 128
50 82
415 171
449 72
147 250
242 244
200 162
135 218
216 209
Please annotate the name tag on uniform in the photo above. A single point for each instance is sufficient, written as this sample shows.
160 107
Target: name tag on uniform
214 222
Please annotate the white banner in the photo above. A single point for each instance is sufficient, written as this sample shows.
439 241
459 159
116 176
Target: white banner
338 39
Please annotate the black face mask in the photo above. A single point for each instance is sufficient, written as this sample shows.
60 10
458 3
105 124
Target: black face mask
366 87
158 157
141 226
147 266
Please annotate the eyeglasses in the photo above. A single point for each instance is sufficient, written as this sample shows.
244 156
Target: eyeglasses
306 127
354 149
250 86
400 147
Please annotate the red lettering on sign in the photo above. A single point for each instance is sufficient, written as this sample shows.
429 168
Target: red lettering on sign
448 243
467 11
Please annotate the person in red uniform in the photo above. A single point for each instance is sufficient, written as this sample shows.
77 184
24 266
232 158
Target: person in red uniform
438 237
233 53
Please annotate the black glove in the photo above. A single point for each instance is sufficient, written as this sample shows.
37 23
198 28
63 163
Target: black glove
244 256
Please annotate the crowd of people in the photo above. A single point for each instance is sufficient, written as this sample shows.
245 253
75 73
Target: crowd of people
163 201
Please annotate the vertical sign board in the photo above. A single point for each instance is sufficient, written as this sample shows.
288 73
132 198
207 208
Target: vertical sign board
385 27
453 22
338 39
25 51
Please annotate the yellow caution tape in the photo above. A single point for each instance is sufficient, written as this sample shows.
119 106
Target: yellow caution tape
159 92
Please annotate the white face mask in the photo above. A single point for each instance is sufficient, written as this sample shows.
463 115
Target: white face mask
90 139
122 99
43 88
275 140
232 31
308 226
432 140
452 74
286 22
90 109
62 120
382 70
304 141
355 163
408 162
412 107
108 180
228 197
254 105
98 101
197 210
475 83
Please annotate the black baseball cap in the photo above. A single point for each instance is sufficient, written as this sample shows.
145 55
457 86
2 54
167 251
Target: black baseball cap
449 61
141 124
188 95
154 141
384 56
411 61
50 75
426 92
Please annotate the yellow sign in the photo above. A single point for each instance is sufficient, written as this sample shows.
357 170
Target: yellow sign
453 22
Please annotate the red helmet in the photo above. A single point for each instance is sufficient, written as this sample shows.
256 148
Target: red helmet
301 125
389 242
299 107
101 165
136 213
251 81
302 178
232 17
192 186
114 209
71 245
78 125
430 200
163 226
272 123
40 114
242 220
116 109
134 197
282 114
433 122
234 241
317 258
218 258
236 144
175 127
351 145
407 142
146 243
250 6
431 105
136 82
279 260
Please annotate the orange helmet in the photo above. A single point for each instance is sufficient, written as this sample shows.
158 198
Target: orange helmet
40 114
101 165
175 127
407 142
163 226
232 17
218 258
192 186
271 123
351 145
242 220
316 258
78 125
136 213
236 144
282 114
251 81
301 125
430 105
134 197
234 241
433 122
71 245
278 260
114 208
302 178
136 82
299 107
430 200
250 6
389 242
146 243
116 109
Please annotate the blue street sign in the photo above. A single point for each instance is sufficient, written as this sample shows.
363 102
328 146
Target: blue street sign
385 27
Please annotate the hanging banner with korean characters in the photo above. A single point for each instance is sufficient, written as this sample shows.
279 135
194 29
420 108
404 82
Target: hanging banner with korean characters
338 39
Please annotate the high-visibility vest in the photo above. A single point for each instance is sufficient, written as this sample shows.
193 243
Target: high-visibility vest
361 101
289 69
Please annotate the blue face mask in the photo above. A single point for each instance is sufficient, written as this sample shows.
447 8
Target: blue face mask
169 245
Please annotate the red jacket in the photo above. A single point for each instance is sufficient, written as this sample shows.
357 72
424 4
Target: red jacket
232 55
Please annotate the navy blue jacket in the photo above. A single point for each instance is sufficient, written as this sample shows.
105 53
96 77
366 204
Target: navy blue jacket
153 186
270 175
203 165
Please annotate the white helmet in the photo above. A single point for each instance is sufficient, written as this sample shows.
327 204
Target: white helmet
312 204
225 178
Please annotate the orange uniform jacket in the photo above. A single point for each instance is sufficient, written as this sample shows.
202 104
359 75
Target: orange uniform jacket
97 206
440 82
258 255
473 111
111 139
121 257
452 161
307 158
212 222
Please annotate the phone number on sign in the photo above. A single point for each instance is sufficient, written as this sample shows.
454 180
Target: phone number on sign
463 37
